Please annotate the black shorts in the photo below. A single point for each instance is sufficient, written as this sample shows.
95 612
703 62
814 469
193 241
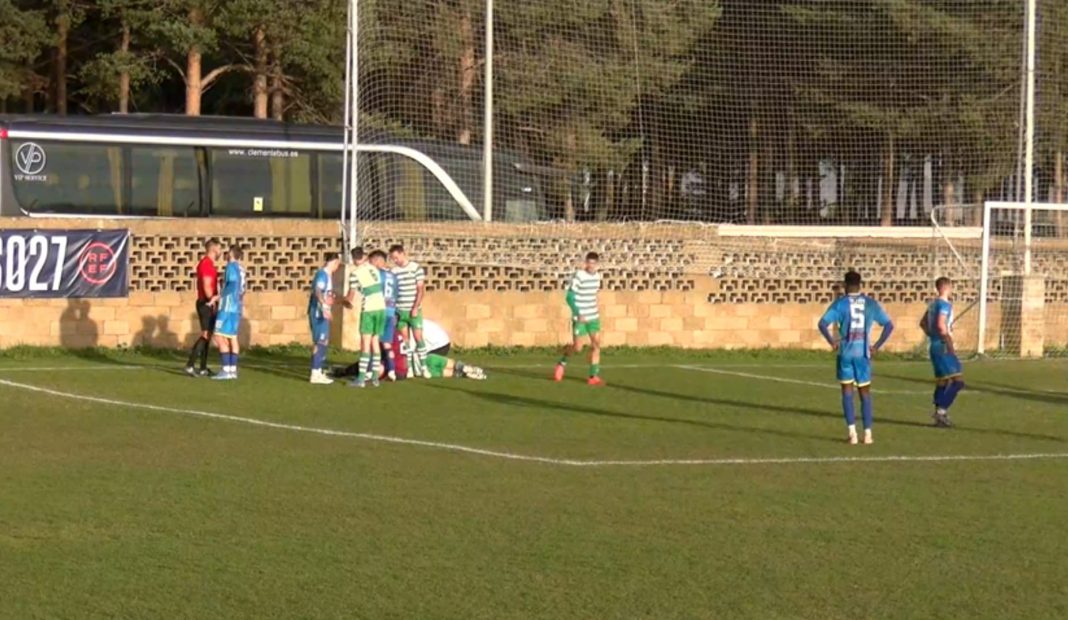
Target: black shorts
206 315
442 351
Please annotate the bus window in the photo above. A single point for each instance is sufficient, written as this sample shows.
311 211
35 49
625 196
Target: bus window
371 198
271 182
52 177
164 181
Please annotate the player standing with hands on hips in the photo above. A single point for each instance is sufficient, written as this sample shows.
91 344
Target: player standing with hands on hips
585 318
855 314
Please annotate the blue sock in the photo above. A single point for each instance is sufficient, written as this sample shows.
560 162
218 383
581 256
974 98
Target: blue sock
233 361
848 408
939 395
952 390
866 412
318 357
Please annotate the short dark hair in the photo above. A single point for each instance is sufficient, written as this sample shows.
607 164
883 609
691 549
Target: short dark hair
210 243
378 254
357 253
236 252
852 281
330 257
942 283
396 247
593 256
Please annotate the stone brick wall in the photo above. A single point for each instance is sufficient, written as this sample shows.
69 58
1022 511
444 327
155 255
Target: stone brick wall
666 284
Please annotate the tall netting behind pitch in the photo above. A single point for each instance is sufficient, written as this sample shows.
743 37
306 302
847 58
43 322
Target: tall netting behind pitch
778 111
652 121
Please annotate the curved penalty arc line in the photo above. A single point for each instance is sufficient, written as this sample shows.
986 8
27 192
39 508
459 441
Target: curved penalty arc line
512 456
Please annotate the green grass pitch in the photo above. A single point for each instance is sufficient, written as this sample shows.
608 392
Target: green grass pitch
121 495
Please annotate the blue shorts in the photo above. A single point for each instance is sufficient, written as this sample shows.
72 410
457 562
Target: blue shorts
390 330
946 365
320 331
227 324
854 370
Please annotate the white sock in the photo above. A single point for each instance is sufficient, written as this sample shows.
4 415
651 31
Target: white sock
852 429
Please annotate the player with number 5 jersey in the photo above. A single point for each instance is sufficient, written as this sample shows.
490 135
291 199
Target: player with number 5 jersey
854 315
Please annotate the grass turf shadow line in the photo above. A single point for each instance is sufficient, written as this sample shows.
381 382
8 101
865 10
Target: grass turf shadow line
998 389
526 401
794 410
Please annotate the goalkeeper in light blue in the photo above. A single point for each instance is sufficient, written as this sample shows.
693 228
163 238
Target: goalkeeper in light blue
853 316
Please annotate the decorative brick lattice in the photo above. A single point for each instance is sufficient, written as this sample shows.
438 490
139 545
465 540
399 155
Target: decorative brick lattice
274 263
539 258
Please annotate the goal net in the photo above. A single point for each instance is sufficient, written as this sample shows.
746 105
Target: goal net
1024 305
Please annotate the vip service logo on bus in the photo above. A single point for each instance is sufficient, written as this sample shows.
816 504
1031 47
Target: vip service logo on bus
30 160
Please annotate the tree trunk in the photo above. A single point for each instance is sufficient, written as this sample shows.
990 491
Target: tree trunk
259 81
609 196
571 146
465 130
977 212
753 177
194 65
889 207
793 197
278 91
124 74
439 115
1059 192
61 56
949 197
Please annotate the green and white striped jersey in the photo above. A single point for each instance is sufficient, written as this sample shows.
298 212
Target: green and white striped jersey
585 286
408 277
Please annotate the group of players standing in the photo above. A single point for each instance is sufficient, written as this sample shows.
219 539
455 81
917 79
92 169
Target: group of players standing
853 316
391 322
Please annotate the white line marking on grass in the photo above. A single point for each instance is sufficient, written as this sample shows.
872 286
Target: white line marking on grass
67 368
512 456
749 375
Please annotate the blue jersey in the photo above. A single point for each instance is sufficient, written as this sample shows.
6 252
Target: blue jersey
855 315
233 289
938 307
321 284
390 288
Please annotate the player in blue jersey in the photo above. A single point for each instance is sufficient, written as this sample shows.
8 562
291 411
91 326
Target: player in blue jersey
228 320
390 290
855 314
320 313
937 323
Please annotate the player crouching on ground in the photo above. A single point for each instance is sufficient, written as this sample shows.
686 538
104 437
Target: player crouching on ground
937 323
585 318
320 314
855 314
438 364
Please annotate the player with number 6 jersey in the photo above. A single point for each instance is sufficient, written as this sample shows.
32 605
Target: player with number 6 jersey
854 315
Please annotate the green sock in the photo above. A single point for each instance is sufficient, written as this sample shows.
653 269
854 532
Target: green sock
595 369
563 361
365 361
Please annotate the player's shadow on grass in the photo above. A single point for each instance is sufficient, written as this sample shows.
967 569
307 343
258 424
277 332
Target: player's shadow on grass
791 410
998 389
526 401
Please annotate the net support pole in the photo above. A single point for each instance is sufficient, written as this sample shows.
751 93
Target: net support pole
1029 137
487 121
345 146
353 97
984 280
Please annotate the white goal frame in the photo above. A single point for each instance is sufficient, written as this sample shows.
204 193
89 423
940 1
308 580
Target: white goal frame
984 277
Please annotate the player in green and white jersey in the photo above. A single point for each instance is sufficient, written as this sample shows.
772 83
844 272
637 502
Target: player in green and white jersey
367 280
585 318
410 290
